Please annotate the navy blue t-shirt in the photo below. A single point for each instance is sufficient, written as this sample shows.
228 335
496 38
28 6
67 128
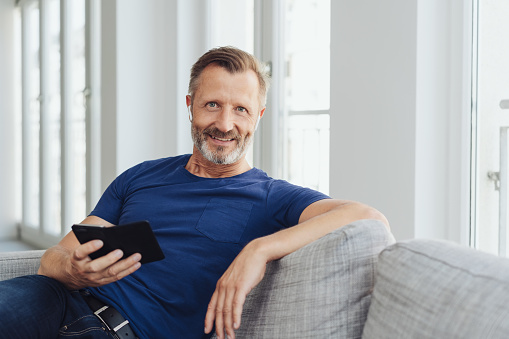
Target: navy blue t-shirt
201 225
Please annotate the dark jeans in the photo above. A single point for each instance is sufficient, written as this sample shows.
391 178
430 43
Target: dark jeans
36 306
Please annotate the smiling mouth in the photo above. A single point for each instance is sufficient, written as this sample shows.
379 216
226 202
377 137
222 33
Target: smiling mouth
220 139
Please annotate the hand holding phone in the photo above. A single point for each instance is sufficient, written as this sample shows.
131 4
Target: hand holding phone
135 237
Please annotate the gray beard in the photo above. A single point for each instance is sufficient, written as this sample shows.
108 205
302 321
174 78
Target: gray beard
217 156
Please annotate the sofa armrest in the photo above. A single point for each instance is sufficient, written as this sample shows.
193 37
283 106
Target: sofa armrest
14 264
322 290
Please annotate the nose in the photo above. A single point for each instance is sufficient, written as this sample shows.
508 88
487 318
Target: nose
224 120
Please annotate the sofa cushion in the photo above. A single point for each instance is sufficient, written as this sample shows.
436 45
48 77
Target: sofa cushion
320 291
14 264
437 289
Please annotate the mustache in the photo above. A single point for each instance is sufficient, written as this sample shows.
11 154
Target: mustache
223 135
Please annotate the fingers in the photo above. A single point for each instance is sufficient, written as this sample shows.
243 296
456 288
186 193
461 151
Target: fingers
103 270
113 269
225 309
238 306
106 261
83 251
227 302
211 313
220 316
227 313
128 266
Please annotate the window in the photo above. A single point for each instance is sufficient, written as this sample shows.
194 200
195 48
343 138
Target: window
295 39
306 92
292 141
56 116
490 126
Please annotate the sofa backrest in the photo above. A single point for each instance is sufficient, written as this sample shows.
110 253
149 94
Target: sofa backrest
322 290
438 289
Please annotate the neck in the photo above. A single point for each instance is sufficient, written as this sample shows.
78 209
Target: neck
204 168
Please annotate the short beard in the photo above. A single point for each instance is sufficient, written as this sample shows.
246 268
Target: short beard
217 156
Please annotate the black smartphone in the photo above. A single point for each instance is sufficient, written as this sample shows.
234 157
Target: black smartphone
135 237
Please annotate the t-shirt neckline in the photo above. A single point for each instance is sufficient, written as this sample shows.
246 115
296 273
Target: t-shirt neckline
183 170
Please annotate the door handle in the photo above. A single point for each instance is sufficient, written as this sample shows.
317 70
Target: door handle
503 191
495 177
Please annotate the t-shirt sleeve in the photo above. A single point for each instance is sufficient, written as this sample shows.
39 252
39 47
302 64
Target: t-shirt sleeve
111 202
286 202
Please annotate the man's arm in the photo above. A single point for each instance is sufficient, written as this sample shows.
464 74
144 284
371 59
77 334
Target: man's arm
248 268
69 263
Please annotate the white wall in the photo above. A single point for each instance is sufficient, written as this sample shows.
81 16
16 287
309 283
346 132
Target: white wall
146 54
443 111
8 189
398 108
139 83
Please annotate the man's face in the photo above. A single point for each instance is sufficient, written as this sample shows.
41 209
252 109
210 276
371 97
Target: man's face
225 111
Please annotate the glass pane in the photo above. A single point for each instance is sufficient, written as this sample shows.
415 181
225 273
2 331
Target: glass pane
308 150
232 24
18 100
492 88
31 123
307 54
78 111
307 92
53 117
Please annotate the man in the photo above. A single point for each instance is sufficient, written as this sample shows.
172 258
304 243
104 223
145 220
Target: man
218 220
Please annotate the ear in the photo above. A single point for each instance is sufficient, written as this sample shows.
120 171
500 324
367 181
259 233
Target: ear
188 100
259 117
262 112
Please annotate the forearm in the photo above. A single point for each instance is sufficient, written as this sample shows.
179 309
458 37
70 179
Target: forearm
248 268
315 222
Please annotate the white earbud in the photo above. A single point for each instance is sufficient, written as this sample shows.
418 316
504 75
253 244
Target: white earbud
190 113
257 122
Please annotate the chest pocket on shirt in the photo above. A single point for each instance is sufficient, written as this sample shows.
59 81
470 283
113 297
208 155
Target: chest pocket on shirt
224 220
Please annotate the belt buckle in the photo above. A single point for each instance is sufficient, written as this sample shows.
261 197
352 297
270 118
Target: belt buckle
110 327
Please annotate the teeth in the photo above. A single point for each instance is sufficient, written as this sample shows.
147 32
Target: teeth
221 139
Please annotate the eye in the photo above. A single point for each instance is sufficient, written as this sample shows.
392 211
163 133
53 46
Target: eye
212 104
241 109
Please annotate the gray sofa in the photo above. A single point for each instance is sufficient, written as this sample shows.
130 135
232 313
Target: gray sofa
357 282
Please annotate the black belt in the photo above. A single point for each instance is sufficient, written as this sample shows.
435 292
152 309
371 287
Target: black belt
114 321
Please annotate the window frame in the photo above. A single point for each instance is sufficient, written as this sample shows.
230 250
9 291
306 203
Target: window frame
271 145
38 234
